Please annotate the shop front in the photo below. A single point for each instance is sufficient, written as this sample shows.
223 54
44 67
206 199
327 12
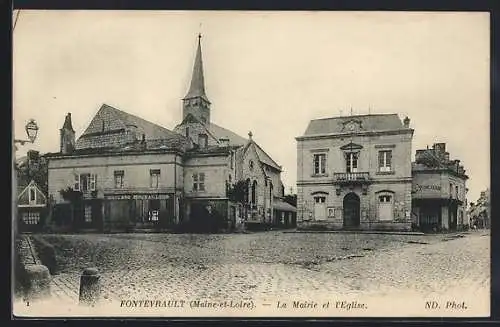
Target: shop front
140 211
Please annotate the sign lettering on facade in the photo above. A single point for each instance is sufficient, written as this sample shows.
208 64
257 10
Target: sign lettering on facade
433 187
138 197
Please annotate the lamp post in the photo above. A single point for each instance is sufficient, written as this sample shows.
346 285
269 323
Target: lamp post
31 129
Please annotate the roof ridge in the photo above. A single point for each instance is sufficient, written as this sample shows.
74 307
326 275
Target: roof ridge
272 160
353 116
134 116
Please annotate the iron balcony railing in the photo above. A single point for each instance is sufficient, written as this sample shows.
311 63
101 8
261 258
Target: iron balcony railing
355 177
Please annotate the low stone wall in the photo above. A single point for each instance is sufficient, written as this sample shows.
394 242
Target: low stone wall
33 277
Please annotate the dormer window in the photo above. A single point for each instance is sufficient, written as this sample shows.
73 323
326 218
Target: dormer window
203 140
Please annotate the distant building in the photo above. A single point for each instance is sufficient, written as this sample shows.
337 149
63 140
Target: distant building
354 172
480 211
125 172
439 190
32 207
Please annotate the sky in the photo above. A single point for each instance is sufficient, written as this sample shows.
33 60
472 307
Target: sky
265 72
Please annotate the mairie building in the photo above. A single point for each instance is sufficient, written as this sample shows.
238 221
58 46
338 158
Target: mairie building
354 172
125 173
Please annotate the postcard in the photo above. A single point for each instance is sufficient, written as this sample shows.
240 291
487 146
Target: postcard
251 164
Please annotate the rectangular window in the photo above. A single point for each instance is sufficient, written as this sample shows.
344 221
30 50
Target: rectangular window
320 199
31 218
154 178
199 182
119 174
88 214
451 190
32 195
203 140
232 159
76 185
352 162
457 193
384 160
320 164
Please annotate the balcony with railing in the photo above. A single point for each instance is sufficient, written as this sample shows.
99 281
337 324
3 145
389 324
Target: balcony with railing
351 178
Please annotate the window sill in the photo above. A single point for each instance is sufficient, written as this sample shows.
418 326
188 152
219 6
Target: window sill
392 172
319 175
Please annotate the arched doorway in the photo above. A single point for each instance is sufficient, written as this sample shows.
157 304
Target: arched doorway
351 210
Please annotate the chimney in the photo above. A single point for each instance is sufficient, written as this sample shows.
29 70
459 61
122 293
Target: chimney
439 147
406 122
67 136
418 155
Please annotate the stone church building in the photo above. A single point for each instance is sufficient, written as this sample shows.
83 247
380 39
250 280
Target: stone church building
125 172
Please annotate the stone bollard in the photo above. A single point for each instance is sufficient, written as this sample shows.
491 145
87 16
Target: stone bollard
38 277
89 286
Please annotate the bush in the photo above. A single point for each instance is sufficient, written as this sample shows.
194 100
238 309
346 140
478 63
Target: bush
46 253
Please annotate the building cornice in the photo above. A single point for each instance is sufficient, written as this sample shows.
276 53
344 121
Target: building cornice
372 181
112 154
343 135
439 171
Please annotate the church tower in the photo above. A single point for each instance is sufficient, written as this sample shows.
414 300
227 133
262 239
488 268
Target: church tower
196 101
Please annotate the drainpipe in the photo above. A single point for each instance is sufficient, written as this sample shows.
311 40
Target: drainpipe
175 189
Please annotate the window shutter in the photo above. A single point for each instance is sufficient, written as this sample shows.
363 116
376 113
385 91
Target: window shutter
323 163
76 186
93 178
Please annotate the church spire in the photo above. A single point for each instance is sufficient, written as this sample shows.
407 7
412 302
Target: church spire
196 102
197 87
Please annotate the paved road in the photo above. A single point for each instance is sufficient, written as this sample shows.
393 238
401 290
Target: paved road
270 265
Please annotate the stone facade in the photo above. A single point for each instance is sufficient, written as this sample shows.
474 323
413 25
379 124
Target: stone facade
439 191
341 178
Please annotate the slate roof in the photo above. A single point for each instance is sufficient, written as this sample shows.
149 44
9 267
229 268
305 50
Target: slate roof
197 87
109 119
284 206
374 122
221 132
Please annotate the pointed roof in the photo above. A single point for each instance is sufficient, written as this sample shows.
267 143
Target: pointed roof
197 87
109 120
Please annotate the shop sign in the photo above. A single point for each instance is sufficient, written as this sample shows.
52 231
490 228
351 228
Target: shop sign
137 197
432 187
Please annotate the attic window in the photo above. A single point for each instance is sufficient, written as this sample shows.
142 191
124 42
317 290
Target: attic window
203 140
32 195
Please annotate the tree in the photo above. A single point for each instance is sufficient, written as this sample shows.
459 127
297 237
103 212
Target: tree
237 192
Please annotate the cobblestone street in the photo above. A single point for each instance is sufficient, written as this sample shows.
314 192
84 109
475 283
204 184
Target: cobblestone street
270 265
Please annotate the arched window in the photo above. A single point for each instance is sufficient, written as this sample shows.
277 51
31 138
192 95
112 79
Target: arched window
254 193
247 185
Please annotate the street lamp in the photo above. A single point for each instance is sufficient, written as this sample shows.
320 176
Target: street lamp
32 132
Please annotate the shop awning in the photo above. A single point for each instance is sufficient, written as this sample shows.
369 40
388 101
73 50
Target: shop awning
283 206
